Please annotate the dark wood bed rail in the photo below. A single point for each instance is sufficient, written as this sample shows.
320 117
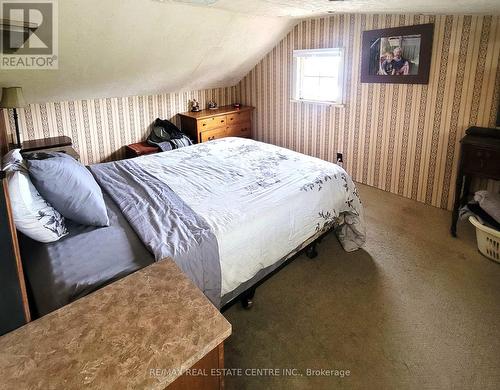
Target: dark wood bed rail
14 306
4 145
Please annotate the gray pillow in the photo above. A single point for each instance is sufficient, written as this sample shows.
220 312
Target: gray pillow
69 187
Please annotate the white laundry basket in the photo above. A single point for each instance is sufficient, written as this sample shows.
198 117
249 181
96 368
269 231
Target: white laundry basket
488 240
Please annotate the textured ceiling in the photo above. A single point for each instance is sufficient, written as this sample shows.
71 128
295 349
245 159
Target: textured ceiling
141 47
307 8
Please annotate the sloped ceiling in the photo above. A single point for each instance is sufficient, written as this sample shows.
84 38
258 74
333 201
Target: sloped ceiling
141 47
308 8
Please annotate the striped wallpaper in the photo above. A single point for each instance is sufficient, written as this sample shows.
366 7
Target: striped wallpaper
100 128
402 138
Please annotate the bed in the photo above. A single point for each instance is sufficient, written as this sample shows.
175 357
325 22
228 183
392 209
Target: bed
86 259
228 212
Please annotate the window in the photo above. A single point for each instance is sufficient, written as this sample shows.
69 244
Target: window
318 75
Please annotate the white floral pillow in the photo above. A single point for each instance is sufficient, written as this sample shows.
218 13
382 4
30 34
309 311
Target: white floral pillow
33 216
13 161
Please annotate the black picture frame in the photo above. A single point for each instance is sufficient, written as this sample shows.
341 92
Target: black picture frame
370 38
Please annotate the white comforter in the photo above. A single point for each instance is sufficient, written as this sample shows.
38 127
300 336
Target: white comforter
261 201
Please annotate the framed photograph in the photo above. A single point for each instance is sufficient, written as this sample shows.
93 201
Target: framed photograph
397 55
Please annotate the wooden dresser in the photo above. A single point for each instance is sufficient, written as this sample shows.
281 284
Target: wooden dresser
226 121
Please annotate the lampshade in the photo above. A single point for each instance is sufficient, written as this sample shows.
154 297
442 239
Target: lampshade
12 98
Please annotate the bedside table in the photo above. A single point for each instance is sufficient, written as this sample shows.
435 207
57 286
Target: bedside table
140 149
62 144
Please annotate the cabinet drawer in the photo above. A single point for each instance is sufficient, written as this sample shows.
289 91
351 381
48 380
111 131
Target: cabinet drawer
240 130
482 162
210 135
238 117
211 123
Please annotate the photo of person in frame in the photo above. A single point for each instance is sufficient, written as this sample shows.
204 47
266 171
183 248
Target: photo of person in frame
401 65
387 64
395 56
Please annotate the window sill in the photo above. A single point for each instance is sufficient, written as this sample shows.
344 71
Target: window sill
318 102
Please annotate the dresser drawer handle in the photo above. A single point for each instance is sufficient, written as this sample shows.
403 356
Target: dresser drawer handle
204 124
211 138
222 121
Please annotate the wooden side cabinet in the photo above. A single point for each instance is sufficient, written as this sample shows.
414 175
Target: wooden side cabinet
206 374
153 329
226 121
61 144
479 157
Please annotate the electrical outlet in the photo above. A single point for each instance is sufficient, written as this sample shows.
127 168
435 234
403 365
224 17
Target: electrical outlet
340 158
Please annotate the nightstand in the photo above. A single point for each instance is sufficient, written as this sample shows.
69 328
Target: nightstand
62 144
140 149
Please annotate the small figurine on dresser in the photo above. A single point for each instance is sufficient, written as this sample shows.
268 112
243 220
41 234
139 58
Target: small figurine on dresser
212 105
195 106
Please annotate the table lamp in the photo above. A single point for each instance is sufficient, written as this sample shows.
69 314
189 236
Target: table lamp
13 98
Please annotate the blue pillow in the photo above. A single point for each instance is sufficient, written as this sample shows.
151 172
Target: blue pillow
69 187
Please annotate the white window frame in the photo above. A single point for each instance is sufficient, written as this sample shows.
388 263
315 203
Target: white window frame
337 51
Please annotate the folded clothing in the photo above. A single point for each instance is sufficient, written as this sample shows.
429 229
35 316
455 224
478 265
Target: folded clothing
177 143
165 146
181 142
484 217
167 136
490 203
164 130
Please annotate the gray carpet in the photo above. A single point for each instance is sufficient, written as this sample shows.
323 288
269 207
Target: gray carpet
415 309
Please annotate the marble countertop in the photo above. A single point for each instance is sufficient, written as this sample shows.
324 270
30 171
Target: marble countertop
154 319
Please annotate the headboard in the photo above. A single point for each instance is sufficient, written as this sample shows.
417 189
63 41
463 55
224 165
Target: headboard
14 306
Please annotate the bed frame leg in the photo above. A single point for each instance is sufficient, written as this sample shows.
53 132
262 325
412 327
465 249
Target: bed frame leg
247 298
311 251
